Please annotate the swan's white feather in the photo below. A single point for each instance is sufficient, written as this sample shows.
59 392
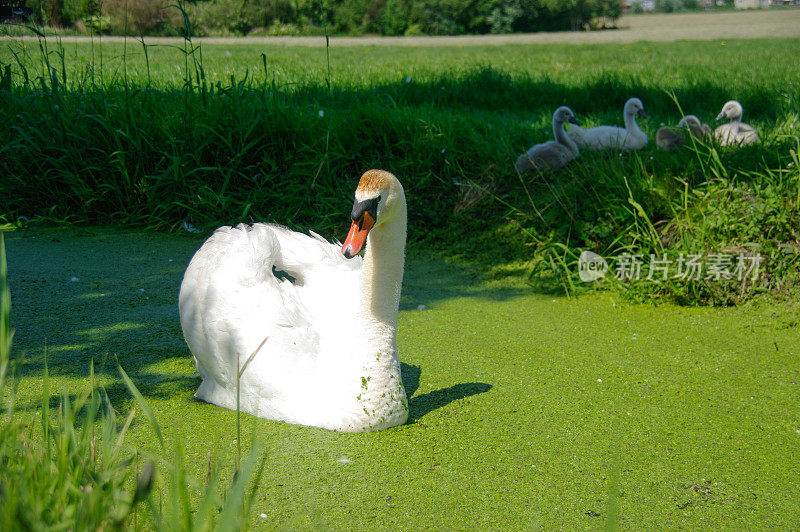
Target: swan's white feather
735 134
607 138
231 300
599 138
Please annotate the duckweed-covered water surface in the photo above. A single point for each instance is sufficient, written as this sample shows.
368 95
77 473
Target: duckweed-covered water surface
526 410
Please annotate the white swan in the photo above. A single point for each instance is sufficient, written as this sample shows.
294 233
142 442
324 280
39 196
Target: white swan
553 154
670 139
735 132
631 137
330 356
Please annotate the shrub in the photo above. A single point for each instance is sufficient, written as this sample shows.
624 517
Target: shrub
137 17
78 10
47 12
241 18
62 13
669 6
504 16
387 17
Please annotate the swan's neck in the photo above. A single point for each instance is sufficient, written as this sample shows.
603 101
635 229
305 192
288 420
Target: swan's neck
563 138
630 123
382 274
734 125
381 396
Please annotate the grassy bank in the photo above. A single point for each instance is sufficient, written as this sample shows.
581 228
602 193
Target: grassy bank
156 136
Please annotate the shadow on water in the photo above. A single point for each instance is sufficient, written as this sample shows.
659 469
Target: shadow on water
100 297
420 405
410 375
427 282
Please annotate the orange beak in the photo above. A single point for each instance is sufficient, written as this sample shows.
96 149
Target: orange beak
357 235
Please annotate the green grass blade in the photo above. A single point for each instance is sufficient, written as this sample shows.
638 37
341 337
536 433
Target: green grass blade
143 405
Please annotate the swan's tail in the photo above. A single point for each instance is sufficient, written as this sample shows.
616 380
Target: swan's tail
524 164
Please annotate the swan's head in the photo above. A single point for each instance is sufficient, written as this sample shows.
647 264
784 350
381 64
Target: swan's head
379 196
563 115
690 121
635 107
731 110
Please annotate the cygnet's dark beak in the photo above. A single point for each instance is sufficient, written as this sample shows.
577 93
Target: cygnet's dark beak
573 120
641 113
721 115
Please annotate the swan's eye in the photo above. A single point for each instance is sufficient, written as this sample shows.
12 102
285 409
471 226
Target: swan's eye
367 206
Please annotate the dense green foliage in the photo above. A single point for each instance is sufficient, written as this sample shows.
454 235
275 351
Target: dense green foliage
251 133
385 17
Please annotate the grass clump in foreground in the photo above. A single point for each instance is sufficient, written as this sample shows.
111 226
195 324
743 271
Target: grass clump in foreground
70 465
253 133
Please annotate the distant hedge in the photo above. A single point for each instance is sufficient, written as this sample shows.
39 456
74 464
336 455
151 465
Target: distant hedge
294 17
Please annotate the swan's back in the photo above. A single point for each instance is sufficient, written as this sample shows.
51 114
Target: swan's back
669 139
607 137
735 134
231 300
550 155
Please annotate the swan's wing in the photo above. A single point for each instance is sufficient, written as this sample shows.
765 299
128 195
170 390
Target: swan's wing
746 136
598 138
745 127
575 132
724 133
326 284
302 255
669 139
734 133
230 299
543 156
550 155
523 164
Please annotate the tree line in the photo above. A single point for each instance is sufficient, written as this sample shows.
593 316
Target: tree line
299 17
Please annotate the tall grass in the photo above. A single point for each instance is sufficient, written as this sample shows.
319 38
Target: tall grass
70 465
274 141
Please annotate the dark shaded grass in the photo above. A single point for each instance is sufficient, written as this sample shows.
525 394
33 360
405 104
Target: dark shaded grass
240 151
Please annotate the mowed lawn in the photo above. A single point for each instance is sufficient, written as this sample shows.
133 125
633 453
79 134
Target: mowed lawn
527 410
